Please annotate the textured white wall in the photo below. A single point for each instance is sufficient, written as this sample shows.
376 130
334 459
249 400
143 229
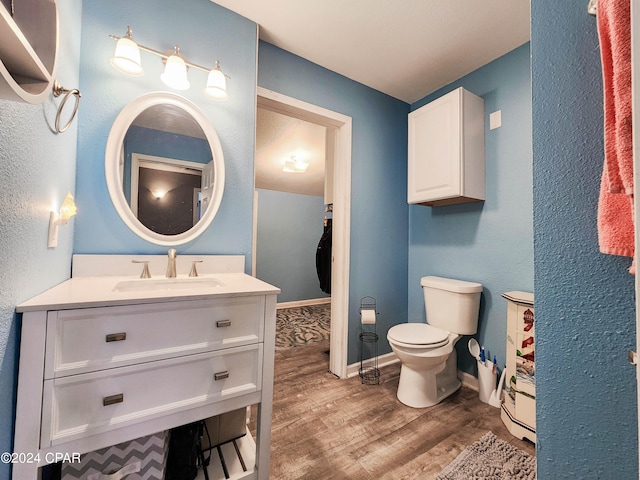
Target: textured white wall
37 168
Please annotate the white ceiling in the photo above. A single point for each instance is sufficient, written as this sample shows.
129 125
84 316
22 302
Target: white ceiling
404 48
278 138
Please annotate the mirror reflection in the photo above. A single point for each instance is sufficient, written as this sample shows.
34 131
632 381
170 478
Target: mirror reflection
167 169
164 168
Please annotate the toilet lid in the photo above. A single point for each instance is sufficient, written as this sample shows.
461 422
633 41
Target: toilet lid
419 334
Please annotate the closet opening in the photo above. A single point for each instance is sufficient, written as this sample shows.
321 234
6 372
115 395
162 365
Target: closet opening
301 221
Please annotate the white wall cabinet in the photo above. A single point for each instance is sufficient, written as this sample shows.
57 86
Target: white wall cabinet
98 369
28 50
446 150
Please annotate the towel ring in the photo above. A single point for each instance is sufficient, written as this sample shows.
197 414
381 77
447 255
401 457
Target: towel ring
59 90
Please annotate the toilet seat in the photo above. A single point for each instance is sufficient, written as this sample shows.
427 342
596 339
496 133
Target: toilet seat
418 335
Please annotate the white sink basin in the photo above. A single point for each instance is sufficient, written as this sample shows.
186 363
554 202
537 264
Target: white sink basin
166 284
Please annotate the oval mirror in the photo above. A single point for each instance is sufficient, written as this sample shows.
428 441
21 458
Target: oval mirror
164 168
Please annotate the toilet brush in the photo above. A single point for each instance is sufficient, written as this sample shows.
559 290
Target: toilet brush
495 399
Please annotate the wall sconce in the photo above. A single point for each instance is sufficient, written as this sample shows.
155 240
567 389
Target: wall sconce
126 59
295 165
67 210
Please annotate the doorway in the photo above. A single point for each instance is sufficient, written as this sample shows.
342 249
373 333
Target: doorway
337 148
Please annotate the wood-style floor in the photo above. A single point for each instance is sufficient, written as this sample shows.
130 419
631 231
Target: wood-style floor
328 428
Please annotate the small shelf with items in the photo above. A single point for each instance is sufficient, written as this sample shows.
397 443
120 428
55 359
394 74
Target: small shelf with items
28 50
519 407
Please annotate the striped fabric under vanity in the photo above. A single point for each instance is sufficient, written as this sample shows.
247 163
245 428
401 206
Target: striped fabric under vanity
142 459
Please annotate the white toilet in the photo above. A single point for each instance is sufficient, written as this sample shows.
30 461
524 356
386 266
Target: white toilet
429 371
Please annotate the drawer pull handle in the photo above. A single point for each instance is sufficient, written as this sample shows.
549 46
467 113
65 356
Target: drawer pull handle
112 399
221 375
116 337
223 323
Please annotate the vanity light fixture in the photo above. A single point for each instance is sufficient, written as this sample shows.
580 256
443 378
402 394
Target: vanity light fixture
67 210
127 60
175 71
216 84
295 165
127 56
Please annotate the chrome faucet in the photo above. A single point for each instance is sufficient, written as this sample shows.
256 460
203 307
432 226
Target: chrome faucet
171 265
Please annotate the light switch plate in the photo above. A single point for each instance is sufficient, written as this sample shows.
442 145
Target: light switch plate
495 120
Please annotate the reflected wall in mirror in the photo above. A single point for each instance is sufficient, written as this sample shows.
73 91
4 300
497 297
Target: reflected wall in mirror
164 168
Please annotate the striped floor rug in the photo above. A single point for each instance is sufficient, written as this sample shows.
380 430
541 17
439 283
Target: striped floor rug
298 326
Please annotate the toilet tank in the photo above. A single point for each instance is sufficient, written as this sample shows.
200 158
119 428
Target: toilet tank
452 305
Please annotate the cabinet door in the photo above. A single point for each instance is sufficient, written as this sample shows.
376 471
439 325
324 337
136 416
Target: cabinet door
435 150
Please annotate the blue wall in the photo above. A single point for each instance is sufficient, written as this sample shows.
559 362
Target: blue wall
490 242
379 211
585 310
164 144
586 400
289 228
204 31
37 168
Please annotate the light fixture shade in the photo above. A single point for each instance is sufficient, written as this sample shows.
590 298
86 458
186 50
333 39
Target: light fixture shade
68 208
127 57
175 74
216 85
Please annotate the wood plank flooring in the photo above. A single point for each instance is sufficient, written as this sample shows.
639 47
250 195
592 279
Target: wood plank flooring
328 428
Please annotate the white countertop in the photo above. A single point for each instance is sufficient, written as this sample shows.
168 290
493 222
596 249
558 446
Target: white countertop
83 292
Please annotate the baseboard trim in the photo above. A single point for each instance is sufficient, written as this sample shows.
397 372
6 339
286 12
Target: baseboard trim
304 303
467 379
383 361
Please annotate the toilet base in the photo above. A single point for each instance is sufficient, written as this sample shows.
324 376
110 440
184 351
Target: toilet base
425 388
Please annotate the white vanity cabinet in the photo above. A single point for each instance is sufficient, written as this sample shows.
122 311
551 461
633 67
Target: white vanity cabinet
97 371
446 150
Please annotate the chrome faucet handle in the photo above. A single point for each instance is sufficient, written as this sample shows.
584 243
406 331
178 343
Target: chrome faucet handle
194 271
171 264
145 270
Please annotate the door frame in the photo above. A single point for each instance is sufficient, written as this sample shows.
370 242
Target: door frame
339 129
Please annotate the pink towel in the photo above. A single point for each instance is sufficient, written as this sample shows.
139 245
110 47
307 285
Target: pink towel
615 210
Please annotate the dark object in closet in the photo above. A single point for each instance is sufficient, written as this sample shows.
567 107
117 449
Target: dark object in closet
185 454
323 259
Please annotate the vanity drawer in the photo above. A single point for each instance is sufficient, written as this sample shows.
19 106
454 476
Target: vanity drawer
92 339
88 404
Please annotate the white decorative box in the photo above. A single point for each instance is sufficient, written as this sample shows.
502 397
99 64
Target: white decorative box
142 459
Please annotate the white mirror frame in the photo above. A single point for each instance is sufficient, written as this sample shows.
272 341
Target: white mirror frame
112 166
